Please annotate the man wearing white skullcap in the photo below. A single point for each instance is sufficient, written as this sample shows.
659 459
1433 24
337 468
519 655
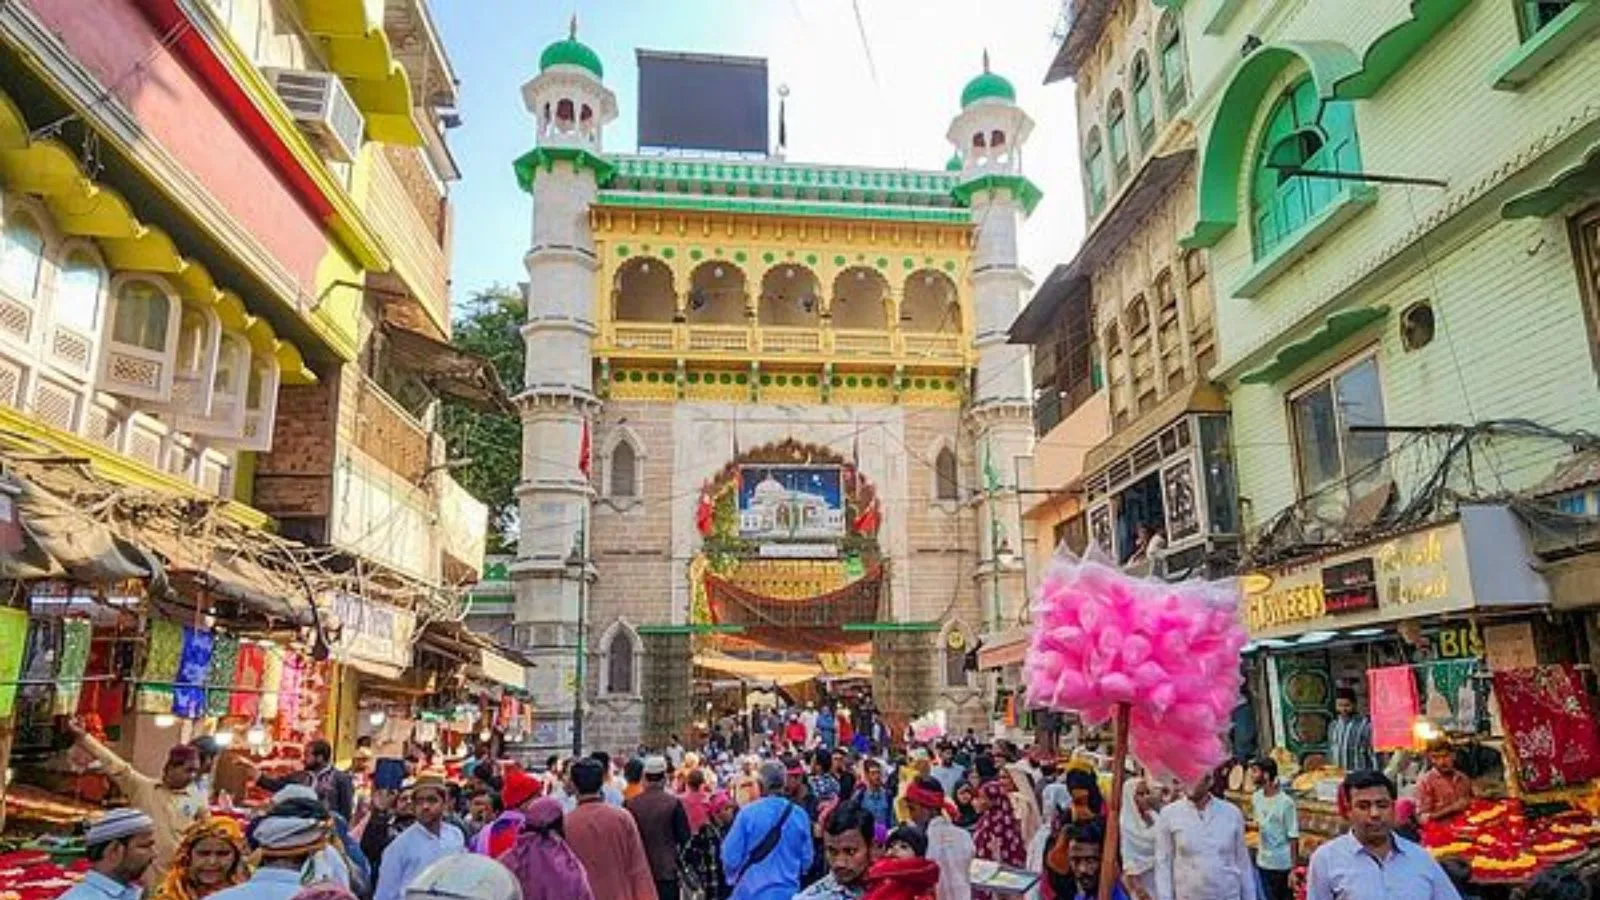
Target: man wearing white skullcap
120 846
284 842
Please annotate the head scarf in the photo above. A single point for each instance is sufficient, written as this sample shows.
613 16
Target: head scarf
901 879
998 836
1085 780
966 814
179 882
1023 799
542 861
1138 836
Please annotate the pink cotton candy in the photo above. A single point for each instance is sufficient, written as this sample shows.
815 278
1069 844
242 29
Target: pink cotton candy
1170 651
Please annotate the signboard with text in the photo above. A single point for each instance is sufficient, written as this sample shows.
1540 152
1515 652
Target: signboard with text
374 632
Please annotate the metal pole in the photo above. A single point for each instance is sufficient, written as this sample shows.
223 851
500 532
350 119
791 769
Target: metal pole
582 553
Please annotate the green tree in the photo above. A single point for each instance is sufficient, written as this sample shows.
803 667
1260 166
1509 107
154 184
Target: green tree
490 327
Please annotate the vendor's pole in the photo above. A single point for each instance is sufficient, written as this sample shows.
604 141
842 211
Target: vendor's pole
1119 758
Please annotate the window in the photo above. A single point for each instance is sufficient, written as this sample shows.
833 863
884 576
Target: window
619 661
1169 40
78 287
1117 129
1536 14
21 254
624 462
955 657
1144 107
945 486
1586 231
233 359
1094 163
1072 533
140 316
194 344
1138 317
1331 459
1301 133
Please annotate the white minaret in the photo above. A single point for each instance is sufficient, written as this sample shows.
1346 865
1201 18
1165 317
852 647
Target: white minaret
570 105
988 135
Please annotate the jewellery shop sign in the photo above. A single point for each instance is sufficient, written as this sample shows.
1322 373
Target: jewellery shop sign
1479 559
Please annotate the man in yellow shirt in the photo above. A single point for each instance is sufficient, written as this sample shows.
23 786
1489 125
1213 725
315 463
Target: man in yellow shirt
169 802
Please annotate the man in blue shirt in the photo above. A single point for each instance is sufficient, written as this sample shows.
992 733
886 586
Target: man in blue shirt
769 845
1371 860
120 846
874 796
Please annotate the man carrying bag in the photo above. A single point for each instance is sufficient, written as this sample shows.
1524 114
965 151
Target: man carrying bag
769 846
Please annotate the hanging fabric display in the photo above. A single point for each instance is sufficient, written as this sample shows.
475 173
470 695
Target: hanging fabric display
39 663
161 663
1549 726
189 694
220 677
288 696
246 701
76 634
1453 697
13 638
103 698
271 682
1394 707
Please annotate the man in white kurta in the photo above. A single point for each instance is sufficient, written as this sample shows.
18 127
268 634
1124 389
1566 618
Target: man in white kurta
948 846
1200 852
429 838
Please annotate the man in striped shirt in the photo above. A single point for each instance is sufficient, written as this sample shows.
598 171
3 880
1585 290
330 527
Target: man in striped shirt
1350 736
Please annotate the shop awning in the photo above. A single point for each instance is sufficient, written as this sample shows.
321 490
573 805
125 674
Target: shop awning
1199 397
496 666
1334 329
1576 182
778 673
447 370
1008 649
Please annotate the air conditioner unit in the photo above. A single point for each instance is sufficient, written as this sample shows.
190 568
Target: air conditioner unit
323 108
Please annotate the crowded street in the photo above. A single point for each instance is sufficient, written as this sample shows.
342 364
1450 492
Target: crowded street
823 449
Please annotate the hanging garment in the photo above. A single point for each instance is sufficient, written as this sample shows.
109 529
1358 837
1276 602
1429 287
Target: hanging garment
1394 707
163 656
220 678
13 638
189 695
1549 725
246 701
76 633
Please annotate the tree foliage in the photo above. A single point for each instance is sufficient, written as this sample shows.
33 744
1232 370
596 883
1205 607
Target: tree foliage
490 327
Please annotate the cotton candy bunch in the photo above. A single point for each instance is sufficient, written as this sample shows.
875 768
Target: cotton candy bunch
1170 651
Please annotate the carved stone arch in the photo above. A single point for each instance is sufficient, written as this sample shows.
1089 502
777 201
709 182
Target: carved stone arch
944 472
621 660
953 658
622 456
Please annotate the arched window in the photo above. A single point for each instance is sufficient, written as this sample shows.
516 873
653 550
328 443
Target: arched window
623 471
143 312
619 661
955 657
1169 41
1094 164
1117 130
21 255
1301 133
946 483
78 287
1144 105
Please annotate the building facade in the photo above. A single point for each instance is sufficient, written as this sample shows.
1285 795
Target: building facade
226 244
771 413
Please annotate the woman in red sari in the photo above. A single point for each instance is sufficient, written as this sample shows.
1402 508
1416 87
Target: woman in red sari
998 834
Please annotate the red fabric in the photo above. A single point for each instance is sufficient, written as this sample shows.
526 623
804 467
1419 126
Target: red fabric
1394 707
869 520
795 732
847 732
902 879
102 698
246 702
583 451
704 514
998 835
1551 726
923 797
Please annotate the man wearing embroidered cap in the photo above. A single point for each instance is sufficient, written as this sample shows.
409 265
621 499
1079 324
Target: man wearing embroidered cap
169 803
285 839
121 846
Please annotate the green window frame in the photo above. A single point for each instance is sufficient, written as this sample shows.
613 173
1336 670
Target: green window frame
1169 40
1094 164
1534 15
1301 131
1117 133
1144 107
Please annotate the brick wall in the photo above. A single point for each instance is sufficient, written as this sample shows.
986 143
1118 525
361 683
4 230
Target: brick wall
295 479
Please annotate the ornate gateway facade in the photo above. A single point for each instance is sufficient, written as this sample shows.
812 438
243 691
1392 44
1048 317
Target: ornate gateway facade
772 420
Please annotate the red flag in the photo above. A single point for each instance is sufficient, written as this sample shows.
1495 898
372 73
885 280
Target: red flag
584 451
703 513
869 519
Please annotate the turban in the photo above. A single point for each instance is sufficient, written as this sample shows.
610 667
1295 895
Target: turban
294 792
278 835
927 797
520 787
119 824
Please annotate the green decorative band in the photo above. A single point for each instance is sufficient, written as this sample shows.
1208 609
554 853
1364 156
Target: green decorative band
693 174
1026 191
1334 329
690 629
890 626
528 164
818 209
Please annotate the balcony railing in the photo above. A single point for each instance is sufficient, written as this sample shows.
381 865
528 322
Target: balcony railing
411 238
389 434
668 339
463 524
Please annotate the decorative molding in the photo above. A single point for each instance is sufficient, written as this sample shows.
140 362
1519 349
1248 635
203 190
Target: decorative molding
786 207
1026 192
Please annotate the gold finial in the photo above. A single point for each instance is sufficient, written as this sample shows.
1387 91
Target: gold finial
572 28
986 59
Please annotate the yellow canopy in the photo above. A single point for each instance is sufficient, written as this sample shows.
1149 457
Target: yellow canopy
779 673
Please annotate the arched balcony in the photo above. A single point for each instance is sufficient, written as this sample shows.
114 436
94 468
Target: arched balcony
716 295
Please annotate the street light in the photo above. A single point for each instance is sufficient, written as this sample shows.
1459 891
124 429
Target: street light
578 559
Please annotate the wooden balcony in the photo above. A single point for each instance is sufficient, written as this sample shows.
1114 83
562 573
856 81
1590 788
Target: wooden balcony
669 340
412 238
389 434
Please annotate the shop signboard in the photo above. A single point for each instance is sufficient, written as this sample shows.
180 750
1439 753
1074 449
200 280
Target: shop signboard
374 633
1480 559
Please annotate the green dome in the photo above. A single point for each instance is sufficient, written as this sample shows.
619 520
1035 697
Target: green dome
987 85
953 164
571 52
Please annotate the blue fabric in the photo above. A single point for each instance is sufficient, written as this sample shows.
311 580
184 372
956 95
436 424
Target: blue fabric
95 886
778 876
1117 893
880 803
1342 869
265 884
189 695
389 774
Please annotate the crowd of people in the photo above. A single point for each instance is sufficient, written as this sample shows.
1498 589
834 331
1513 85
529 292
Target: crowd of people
816 820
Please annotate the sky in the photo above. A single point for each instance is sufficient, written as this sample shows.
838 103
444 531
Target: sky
893 111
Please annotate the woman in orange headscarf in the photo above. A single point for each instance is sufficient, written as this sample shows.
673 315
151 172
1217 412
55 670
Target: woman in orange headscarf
210 857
